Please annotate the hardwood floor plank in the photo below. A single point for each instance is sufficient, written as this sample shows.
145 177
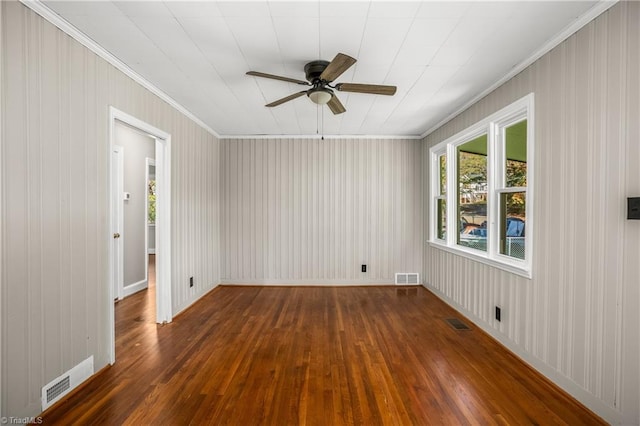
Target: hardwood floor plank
312 356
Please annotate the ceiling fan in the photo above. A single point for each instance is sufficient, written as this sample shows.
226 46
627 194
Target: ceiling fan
320 74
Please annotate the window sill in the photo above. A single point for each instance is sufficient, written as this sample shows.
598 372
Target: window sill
506 265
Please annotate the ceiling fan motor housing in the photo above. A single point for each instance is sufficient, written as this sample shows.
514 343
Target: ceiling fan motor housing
314 69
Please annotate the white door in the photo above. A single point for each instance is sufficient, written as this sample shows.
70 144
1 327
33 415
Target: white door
117 219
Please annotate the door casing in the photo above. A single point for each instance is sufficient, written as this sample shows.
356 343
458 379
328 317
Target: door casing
163 220
117 221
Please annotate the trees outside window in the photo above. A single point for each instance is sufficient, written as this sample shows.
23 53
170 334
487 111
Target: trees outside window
151 199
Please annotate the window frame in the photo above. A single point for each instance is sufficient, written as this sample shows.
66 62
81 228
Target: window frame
494 126
436 192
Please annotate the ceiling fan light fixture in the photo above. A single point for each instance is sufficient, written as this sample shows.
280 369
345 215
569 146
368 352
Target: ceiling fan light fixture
320 95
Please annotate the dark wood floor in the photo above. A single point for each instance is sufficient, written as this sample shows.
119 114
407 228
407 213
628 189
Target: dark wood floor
312 355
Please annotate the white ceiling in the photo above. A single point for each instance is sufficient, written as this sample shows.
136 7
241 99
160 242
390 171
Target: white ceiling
440 55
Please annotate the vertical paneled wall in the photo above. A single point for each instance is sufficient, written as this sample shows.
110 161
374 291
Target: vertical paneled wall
308 211
577 320
55 234
195 203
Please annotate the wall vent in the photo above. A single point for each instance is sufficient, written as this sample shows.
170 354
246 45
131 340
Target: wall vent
407 278
58 389
53 391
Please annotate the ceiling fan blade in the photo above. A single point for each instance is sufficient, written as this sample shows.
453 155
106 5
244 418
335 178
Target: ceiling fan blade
340 64
286 99
374 89
335 105
277 77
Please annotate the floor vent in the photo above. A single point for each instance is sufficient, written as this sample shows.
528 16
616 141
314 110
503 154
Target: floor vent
407 278
457 324
60 386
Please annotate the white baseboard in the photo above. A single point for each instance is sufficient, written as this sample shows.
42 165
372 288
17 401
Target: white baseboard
313 283
134 288
151 251
55 390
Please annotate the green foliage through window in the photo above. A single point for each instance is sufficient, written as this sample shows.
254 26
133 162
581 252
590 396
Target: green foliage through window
151 197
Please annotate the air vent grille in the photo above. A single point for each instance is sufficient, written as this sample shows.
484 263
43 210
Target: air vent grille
58 389
407 278
457 324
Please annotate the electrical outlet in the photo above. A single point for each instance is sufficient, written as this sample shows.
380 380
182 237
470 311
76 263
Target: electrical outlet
190 281
363 268
498 313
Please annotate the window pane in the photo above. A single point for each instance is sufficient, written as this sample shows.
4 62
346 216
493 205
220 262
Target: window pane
151 199
442 219
472 193
516 154
512 224
443 174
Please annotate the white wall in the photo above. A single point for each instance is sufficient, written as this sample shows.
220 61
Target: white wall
306 211
55 199
577 320
3 296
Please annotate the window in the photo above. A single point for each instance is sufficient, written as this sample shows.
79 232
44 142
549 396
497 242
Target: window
472 192
151 200
512 189
441 198
483 191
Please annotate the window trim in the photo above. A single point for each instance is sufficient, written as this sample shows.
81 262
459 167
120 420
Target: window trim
493 126
436 193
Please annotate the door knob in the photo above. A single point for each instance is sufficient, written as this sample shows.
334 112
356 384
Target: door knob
116 235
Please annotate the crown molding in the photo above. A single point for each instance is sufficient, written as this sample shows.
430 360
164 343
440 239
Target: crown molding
41 9
320 137
598 9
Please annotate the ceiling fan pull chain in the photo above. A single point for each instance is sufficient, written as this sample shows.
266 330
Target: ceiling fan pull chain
322 123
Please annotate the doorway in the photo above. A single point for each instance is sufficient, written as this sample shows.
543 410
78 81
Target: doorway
133 213
162 249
